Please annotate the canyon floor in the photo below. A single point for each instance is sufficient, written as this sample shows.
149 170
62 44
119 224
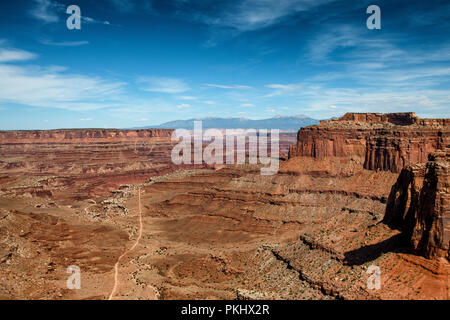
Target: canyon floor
112 203
309 232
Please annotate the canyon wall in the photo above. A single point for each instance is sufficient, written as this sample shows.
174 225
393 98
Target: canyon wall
76 197
385 142
80 135
88 161
398 142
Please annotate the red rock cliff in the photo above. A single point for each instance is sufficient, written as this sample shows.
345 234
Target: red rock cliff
90 161
81 135
418 204
384 141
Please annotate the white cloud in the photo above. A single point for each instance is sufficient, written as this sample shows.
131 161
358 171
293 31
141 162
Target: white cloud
183 106
9 55
319 102
222 86
46 10
165 85
187 98
248 15
287 87
94 21
282 89
53 86
338 37
65 43
367 54
247 105
86 119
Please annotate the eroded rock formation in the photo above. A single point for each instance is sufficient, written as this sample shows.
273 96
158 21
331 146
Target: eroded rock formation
431 234
88 161
403 199
81 135
385 141
396 142
309 232
419 205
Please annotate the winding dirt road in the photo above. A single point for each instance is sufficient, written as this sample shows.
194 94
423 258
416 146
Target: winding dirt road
116 266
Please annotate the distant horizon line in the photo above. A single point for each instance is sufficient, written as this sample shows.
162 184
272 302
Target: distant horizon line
157 126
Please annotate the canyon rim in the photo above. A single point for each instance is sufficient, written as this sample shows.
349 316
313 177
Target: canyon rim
224 159
351 193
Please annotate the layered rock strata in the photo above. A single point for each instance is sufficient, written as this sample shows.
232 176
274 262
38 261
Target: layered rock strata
418 204
309 232
386 142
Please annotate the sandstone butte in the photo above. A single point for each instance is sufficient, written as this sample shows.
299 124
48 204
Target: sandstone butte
386 141
419 201
361 190
392 142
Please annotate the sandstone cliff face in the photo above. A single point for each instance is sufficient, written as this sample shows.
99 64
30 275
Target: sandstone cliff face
80 135
90 161
431 233
384 141
403 199
418 204
322 141
308 232
392 150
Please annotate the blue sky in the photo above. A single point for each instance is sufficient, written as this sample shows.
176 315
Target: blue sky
143 62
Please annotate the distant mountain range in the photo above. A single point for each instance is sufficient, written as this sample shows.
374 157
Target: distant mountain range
277 122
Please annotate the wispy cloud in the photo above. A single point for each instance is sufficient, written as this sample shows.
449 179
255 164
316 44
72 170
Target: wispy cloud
46 10
222 86
52 86
65 43
323 102
123 5
10 55
245 15
164 85
387 63
130 6
343 36
94 21
183 106
187 98
285 87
